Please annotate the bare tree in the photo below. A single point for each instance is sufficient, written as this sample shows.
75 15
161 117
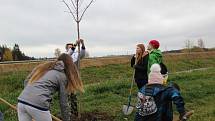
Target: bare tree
188 45
201 43
57 52
77 11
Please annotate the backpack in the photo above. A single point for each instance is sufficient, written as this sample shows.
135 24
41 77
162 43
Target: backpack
149 106
163 68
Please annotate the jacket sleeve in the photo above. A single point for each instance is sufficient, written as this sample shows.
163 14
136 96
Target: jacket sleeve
82 52
177 100
64 103
132 61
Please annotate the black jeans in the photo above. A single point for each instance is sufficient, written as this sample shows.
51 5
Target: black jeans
141 83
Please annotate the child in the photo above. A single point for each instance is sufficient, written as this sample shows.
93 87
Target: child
45 80
71 50
155 100
155 55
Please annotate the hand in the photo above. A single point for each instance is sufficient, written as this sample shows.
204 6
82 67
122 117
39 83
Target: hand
78 42
184 116
82 41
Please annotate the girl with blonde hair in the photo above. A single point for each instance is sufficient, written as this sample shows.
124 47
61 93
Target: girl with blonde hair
45 80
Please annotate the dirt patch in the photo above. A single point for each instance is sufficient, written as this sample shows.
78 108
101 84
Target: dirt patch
92 116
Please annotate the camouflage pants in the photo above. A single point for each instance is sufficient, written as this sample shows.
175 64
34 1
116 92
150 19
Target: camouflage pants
74 107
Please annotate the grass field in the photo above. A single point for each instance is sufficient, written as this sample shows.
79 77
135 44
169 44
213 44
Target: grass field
107 87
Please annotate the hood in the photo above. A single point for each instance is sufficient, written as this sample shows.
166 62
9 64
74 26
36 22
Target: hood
152 89
157 52
59 65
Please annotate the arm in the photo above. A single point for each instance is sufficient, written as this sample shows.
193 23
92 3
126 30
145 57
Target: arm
83 49
178 101
83 52
64 103
132 61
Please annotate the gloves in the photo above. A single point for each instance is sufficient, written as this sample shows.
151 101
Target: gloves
184 116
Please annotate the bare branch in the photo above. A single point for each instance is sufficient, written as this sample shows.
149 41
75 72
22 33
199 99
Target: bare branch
73 4
70 11
85 10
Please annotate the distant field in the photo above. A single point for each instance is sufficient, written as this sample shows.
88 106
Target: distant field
107 85
174 61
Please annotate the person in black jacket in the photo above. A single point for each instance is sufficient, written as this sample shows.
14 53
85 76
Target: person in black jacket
141 66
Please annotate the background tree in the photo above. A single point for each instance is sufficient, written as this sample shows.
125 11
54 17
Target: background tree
1 55
201 43
188 46
57 52
7 56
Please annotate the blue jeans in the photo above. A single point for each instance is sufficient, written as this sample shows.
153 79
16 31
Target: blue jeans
1 116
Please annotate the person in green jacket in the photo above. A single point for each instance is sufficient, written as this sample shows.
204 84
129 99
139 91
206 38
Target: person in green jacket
155 54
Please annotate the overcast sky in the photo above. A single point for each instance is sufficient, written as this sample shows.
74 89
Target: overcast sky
108 27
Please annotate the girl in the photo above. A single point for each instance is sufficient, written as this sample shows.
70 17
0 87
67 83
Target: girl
141 56
46 79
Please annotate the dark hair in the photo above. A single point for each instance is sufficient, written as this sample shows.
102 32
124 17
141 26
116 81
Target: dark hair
69 44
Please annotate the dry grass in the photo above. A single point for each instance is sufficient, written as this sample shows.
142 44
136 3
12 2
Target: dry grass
28 66
170 59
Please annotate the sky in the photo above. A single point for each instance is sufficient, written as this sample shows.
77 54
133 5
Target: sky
109 27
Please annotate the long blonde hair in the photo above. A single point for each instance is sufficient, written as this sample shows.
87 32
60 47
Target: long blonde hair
40 70
74 83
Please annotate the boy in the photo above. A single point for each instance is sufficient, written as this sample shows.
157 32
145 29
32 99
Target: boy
70 49
155 55
155 100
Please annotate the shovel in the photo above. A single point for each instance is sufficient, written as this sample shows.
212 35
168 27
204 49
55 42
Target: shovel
127 109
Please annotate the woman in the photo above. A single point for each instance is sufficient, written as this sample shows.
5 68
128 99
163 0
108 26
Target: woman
46 79
141 58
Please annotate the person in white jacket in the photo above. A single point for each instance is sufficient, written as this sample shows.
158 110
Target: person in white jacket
73 52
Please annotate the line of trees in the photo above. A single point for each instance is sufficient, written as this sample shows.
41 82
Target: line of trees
191 47
15 54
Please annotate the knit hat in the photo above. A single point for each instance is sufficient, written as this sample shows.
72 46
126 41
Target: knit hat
155 76
155 44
